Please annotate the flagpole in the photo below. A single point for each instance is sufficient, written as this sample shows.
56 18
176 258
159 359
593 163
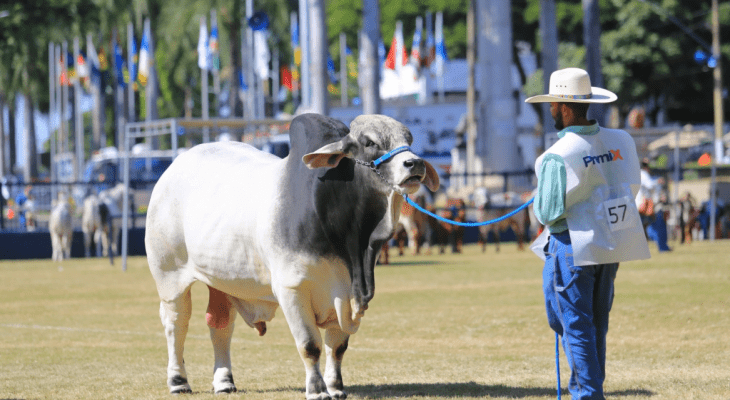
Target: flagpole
428 48
369 59
51 110
294 27
204 82
304 43
252 84
64 97
131 65
343 69
95 111
275 82
718 115
214 60
118 94
151 88
78 117
245 69
439 42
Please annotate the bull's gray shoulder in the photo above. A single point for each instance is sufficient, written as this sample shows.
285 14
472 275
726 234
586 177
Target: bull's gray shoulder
309 132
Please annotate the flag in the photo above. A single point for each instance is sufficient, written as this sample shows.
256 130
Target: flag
119 65
286 77
145 58
397 56
351 63
441 57
203 46
103 62
94 66
63 75
82 70
295 40
416 48
135 64
242 86
93 58
70 69
331 69
259 23
381 53
213 44
430 47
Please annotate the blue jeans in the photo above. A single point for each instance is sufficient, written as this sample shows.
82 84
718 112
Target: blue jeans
578 300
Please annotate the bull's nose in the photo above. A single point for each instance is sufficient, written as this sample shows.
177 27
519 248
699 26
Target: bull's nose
417 165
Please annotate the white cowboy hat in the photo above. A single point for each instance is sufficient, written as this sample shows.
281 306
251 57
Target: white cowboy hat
573 85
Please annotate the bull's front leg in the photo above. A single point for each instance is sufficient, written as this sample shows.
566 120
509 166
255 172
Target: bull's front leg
297 307
335 345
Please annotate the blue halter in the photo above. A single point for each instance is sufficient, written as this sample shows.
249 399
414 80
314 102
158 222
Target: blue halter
390 154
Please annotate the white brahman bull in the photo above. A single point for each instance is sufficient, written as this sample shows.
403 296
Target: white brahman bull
61 229
303 232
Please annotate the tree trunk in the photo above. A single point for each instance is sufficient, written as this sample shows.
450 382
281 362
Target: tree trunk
30 172
233 23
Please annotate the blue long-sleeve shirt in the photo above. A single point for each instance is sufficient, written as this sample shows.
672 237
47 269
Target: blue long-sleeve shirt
552 181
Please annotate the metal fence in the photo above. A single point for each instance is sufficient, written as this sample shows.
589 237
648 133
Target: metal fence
27 207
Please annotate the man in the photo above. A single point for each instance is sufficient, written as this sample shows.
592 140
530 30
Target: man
587 184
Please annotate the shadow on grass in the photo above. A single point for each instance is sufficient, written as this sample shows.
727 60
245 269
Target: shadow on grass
408 263
448 390
466 389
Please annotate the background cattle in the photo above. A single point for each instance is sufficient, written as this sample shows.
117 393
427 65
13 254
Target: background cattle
96 226
303 233
113 200
61 229
500 204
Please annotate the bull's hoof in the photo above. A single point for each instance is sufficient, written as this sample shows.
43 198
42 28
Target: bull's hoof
182 390
224 385
227 390
179 385
319 396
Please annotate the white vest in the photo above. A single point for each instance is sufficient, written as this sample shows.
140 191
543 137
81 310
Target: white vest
600 210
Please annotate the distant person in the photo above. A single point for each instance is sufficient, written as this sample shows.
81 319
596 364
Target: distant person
26 209
688 216
586 186
648 194
704 216
657 230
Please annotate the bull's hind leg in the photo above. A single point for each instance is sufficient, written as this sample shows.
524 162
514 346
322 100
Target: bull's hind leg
335 345
220 319
175 316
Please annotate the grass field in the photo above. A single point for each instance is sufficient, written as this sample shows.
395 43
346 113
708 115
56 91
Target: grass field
461 326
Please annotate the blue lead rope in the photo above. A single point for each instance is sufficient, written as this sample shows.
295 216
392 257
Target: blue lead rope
448 221
557 360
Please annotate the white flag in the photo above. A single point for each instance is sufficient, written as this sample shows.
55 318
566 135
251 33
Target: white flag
262 55
144 55
203 46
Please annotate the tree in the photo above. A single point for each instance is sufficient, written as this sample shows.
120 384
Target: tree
24 37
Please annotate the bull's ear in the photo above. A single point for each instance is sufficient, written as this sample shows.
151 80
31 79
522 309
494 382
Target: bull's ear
328 156
431 180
